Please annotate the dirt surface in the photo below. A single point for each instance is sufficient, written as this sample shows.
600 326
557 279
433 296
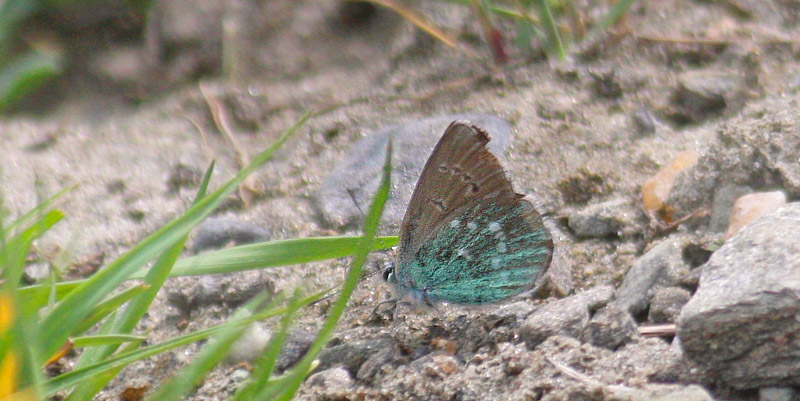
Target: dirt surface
128 136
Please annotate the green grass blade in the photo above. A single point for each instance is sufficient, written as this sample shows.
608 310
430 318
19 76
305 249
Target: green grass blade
17 248
26 73
37 211
212 353
272 254
244 257
616 13
108 306
105 339
76 376
370 229
266 363
133 312
54 328
553 37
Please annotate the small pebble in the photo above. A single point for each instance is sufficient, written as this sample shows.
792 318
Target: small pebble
655 191
776 394
331 378
611 328
750 207
666 304
702 94
643 121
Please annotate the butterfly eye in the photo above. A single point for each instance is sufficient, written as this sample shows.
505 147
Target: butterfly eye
388 272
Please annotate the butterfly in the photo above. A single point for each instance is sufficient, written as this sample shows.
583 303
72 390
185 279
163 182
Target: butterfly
467 237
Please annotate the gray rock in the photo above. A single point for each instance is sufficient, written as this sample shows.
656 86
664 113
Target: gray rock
759 150
598 297
610 328
703 94
383 358
413 141
662 266
742 322
567 316
666 304
217 232
724 198
352 354
511 313
614 218
670 392
334 378
776 394
295 346
643 121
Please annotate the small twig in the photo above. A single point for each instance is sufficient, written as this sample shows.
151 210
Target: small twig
588 381
421 22
715 42
659 330
223 123
203 138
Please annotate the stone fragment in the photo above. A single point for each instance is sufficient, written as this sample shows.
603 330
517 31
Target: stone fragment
611 327
666 304
358 174
656 190
703 94
614 218
722 204
333 378
742 322
752 206
662 266
567 317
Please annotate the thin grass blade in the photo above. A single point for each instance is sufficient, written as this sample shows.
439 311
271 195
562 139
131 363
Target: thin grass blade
303 367
554 44
133 312
121 360
78 303
266 363
212 353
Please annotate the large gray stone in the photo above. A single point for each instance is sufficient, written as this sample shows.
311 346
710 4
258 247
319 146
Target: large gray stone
359 172
568 316
742 322
662 266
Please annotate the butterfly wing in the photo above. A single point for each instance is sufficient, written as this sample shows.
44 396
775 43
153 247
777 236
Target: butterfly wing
467 237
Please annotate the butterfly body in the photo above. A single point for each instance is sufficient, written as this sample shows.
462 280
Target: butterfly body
467 237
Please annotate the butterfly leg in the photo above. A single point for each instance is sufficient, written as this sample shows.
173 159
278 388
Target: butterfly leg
393 301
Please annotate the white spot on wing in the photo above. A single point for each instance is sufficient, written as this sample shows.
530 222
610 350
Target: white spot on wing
495 263
501 247
494 226
472 225
455 223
